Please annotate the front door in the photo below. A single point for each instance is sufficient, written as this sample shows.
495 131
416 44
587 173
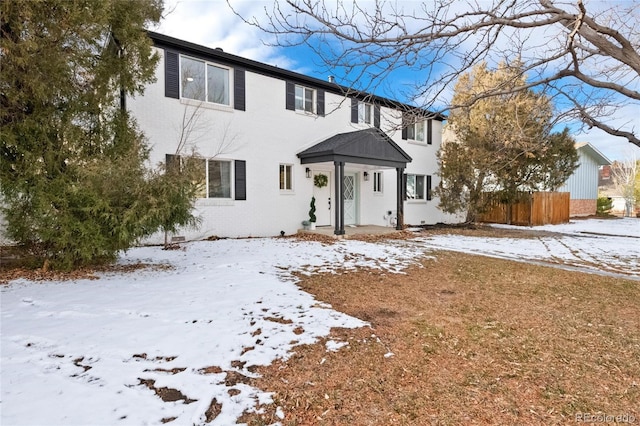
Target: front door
323 201
350 199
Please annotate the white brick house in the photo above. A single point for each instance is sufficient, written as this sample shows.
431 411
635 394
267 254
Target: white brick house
264 133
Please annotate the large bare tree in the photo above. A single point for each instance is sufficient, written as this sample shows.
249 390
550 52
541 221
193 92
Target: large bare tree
625 178
583 54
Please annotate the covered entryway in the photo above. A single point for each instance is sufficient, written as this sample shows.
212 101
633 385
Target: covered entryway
368 147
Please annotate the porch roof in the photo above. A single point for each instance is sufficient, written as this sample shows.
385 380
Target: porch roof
369 146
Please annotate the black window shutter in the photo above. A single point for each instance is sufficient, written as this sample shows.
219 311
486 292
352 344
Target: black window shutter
320 103
240 174
429 133
376 116
429 186
172 162
291 96
239 91
171 75
354 110
404 127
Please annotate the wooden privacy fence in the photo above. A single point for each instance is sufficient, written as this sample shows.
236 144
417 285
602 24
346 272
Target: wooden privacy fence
537 208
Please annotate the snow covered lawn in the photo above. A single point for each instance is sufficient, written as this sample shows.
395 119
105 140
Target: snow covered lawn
92 352
176 345
607 246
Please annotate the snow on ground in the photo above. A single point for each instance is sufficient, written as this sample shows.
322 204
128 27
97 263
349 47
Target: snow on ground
77 353
85 352
627 226
609 246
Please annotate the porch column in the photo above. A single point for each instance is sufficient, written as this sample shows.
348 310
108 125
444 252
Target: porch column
399 199
339 197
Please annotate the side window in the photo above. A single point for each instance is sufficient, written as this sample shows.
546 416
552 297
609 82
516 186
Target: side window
218 179
214 179
377 182
415 187
286 180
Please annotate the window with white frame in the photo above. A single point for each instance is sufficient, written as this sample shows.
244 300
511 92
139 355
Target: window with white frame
305 99
377 182
364 113
216 178
286 180
415 130
204 81
415 187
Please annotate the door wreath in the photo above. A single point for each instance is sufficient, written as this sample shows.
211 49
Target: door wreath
320 180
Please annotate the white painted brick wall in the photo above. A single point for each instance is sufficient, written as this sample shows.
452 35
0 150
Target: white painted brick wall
266 135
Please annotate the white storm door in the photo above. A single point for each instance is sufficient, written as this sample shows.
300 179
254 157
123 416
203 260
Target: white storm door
323 201
350 199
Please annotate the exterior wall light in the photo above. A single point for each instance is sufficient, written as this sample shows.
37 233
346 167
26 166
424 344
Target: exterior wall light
366 176
307 171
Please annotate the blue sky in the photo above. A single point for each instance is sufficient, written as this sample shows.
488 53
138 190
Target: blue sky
212 23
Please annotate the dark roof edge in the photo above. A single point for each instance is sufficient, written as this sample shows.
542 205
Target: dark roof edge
165 41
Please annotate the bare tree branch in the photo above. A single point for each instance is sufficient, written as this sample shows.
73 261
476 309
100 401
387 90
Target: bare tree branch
583 54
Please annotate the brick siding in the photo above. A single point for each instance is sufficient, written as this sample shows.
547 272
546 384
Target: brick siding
582 207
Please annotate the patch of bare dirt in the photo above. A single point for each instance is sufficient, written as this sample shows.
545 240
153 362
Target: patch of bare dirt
166 394
309 236
215 408
484 230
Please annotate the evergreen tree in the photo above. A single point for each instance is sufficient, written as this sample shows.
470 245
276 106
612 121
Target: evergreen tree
501 144
73 181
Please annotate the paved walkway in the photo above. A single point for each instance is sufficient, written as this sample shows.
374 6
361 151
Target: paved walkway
353 230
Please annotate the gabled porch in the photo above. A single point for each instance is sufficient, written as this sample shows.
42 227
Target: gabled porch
366 148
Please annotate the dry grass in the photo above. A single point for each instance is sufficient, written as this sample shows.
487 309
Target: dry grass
474 341
16 264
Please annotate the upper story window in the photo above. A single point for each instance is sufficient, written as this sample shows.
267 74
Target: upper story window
203 81
364 113
415 129
196 79
305 99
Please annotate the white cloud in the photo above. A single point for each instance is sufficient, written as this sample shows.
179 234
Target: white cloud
213 24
